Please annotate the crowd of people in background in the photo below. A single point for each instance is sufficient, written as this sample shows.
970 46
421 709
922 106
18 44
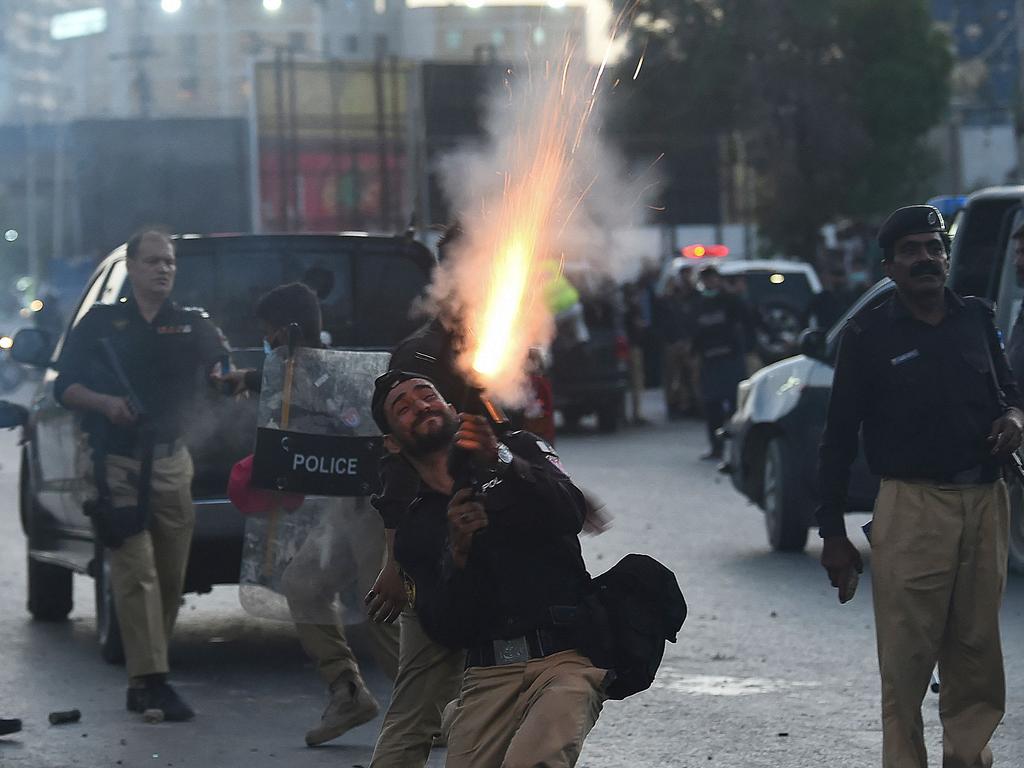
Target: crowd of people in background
695 333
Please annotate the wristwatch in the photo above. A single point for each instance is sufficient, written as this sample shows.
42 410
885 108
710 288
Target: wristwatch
504 458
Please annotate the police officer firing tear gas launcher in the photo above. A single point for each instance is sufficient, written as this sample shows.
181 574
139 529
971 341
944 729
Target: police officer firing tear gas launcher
497 569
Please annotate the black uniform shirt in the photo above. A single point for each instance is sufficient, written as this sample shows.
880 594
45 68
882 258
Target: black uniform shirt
167 363
719 326
527 560
925 395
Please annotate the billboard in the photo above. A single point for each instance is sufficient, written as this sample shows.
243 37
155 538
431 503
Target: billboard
335 145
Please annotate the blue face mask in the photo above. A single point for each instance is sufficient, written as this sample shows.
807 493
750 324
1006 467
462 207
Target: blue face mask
710 293
267 349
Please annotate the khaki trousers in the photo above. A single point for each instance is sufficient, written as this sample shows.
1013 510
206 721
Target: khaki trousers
938 573
147 572
526 715
312 580
429 676
681 377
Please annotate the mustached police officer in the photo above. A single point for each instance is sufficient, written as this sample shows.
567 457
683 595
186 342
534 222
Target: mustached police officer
166 353
924 375
500 573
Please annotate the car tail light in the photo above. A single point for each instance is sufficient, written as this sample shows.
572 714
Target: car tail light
622 348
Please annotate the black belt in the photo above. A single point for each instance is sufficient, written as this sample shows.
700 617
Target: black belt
979 475
535 644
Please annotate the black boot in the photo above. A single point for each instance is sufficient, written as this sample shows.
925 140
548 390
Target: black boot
158 694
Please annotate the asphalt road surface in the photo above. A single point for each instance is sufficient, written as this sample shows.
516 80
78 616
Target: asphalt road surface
769 670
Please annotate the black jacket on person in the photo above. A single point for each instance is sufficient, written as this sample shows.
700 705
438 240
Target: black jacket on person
166 361
924 395
526 562
719 323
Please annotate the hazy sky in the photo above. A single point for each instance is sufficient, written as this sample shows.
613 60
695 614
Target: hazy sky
598 18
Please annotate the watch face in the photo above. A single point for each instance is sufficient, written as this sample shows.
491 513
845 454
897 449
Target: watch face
504 454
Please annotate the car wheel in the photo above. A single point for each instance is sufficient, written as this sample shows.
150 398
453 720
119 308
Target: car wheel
49 585
779 331
609 415
783 510
108 629
1016 558
11 375
49 591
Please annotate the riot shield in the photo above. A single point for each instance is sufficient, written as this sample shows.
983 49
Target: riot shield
315 437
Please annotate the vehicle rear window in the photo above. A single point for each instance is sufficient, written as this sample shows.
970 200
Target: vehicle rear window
794 290
976 252
375 284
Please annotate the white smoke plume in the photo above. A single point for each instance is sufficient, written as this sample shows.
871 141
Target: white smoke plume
538 201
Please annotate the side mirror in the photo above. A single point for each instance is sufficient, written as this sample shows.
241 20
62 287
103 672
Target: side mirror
12 415
812 343
32 347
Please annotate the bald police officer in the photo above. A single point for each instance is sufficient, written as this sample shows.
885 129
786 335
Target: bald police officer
924 375
166 353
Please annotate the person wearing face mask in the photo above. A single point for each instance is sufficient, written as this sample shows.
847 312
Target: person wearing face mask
719 320
142 471
922 381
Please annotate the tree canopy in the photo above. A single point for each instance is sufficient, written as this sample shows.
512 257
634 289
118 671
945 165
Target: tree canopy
830 100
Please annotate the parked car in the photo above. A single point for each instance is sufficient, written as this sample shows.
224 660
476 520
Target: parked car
591 375
373 282
772 439
779 292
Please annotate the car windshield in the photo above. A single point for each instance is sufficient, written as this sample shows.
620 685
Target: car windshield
367 286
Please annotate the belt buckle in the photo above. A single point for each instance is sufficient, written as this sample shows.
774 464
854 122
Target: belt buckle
511 651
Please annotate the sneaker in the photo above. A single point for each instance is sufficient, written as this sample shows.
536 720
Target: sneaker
159 696
8 726
350 705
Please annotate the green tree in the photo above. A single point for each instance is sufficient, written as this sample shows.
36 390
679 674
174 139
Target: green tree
831 100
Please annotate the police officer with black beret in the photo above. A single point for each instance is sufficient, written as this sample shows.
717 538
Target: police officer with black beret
923 376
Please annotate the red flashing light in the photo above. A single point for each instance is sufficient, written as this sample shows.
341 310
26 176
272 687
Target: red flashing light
698 251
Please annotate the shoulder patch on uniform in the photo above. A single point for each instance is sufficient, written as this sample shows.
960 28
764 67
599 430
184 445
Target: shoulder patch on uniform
545 447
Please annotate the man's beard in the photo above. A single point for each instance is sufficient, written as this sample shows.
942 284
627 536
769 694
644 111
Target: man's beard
422 445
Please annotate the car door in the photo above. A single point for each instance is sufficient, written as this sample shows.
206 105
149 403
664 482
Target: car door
57 443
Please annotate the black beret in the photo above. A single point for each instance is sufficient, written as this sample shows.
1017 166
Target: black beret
381 387
910 220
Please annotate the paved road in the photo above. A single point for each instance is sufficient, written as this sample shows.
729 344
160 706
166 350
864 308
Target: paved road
768 671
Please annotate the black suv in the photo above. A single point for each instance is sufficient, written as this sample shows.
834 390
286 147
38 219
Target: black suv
367 286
